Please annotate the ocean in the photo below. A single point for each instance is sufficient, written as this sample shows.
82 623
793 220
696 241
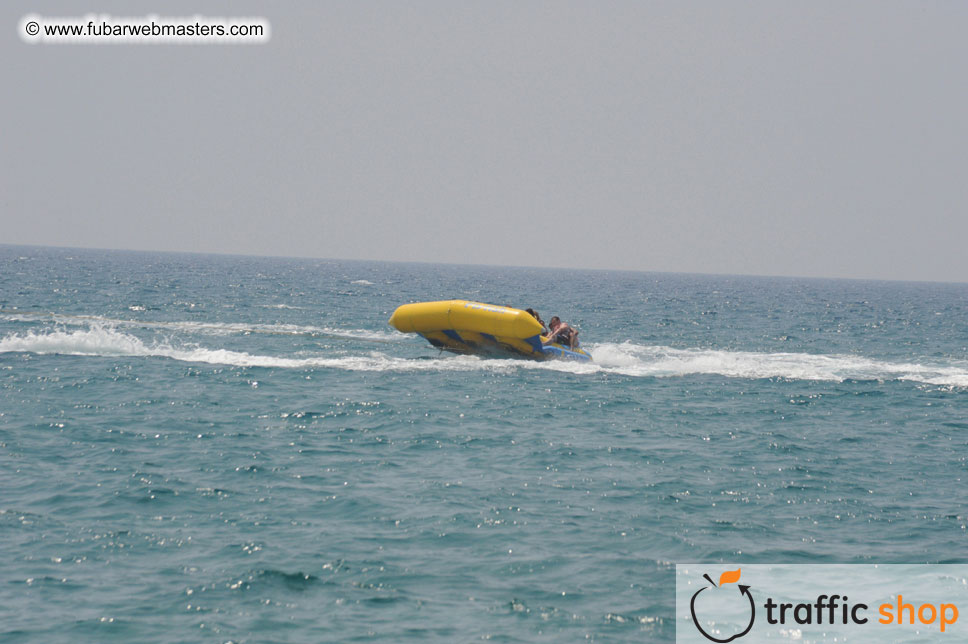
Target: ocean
240 449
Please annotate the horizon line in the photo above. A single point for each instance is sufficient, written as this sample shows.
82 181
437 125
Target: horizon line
442 263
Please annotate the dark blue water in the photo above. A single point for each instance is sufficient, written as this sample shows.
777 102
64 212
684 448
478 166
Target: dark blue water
202 448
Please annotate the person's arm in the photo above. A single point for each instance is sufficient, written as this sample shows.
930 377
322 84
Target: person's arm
550 336
555 332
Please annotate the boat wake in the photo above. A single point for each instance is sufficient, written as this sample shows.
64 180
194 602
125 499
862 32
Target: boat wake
659 361
207 328
624 359
108 342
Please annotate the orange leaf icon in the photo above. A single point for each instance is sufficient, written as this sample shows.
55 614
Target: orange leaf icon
729 577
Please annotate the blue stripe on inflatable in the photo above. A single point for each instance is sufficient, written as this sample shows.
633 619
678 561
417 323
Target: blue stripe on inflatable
535 342
560 352
453 335
552 350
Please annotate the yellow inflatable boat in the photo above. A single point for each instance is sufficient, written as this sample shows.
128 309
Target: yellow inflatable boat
462 326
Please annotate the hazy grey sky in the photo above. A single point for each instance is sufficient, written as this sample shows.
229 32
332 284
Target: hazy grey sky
778 138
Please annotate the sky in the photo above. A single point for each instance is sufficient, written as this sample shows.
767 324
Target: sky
819 139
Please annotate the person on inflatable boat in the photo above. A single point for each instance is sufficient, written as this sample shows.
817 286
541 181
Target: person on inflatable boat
537 317
562 333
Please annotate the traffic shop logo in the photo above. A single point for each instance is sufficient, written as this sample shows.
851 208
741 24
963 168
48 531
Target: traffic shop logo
728 577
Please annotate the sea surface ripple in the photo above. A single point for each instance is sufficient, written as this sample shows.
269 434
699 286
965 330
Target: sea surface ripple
215 448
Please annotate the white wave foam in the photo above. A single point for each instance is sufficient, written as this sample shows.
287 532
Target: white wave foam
362 282
622 359
658 361
209 328
108 342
